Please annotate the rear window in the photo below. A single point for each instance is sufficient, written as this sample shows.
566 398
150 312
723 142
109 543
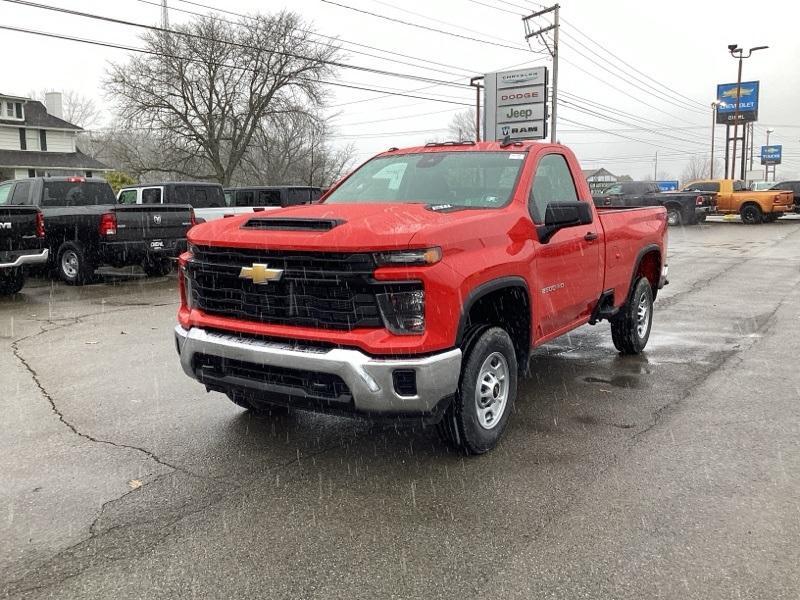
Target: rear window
77 193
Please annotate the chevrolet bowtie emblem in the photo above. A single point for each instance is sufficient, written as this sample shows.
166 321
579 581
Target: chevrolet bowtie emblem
260 274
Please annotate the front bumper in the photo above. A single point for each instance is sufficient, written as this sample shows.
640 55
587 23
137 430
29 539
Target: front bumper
370 380
27 259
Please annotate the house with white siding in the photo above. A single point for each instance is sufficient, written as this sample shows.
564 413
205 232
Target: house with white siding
35 141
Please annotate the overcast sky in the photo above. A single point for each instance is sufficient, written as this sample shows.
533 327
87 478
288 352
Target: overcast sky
680 44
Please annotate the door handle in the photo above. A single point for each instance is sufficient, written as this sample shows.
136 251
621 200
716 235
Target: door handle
590 237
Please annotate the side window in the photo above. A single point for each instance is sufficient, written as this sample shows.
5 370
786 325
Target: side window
21 192
316 194
200 198
245 198
298 196
269 198
551 183
127 197
150 196
5 193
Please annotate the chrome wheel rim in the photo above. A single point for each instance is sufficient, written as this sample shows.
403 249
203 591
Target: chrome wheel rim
642 315
672 217
70 264
491 391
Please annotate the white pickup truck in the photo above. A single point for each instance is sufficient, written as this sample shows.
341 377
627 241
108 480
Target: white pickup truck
210 202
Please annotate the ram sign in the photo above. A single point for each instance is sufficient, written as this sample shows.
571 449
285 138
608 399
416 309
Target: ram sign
516 104
771 155
748 102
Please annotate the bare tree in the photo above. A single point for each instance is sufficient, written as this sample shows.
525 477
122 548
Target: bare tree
207 91
462 126
77 109
699 168
294 150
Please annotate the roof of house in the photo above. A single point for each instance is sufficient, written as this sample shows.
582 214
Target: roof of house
587 173
36 115
13 97
27 159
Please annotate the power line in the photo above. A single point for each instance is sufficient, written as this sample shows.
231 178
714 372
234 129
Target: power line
189 59
230 43
217 11
425 27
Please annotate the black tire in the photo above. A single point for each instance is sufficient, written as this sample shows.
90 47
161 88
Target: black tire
751 214
629 332
74 265
470 425
674 216
158 267
701 218
11 281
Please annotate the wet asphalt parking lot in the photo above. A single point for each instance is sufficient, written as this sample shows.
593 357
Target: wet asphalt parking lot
674 474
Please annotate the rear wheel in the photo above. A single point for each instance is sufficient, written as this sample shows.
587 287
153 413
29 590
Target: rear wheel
479 412
630 327
674 217
73 264
11 281
157 267
751 214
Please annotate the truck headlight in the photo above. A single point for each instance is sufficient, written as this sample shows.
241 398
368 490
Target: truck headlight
401 258
403 312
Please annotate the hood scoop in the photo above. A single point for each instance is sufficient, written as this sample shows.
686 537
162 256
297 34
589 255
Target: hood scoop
292 224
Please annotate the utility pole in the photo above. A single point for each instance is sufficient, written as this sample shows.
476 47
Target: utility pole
553 53
655 168
766 167
164 15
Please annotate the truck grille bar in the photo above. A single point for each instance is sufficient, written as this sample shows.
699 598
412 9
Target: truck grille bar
321 290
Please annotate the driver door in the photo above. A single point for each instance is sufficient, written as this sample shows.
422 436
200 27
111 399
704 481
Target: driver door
566 269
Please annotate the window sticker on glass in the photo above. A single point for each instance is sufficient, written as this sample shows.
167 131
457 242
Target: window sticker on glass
516 156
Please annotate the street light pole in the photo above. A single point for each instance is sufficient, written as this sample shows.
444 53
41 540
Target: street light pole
766 167
714 106
737 52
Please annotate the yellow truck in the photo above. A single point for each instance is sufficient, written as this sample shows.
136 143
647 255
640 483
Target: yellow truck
733 197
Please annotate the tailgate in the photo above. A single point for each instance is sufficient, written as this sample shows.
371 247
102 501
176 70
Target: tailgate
152 222
18 228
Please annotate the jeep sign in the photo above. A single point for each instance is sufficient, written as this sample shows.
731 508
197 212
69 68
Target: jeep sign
516 104
520 112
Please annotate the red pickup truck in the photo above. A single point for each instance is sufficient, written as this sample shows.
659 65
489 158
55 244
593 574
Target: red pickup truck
417 287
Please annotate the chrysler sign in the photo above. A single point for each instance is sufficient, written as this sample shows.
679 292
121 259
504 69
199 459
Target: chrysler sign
516 104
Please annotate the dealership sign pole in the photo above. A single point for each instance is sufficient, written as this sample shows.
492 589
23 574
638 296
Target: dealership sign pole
738 103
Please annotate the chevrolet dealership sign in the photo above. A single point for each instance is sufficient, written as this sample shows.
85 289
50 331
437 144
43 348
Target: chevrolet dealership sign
516 104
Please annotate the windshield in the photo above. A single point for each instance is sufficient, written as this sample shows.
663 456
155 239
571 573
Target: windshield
465 179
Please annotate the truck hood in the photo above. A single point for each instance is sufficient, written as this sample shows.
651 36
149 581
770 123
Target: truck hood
335 227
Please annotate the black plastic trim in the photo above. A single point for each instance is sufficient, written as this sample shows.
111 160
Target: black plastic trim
481 291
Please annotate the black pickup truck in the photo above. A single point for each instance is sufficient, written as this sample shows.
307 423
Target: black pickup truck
683 208
86 228
21 242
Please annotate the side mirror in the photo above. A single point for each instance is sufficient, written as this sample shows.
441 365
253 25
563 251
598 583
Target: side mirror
560 215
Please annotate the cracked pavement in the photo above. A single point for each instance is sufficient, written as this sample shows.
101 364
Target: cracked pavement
672 474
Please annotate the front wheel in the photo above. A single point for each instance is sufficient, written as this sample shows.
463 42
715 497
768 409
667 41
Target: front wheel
11 281
751 214
630 327
479 412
